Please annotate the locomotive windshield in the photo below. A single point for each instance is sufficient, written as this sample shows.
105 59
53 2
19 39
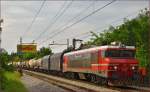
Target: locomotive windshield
120 53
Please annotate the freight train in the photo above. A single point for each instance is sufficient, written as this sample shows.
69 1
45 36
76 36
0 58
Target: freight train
103 64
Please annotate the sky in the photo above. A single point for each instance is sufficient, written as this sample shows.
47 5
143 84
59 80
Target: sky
55 16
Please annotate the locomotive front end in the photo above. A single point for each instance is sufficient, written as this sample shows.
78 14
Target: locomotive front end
122 66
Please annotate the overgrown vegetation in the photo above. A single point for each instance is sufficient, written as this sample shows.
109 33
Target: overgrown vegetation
9 80
5 58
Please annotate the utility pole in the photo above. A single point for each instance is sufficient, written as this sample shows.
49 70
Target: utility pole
1 21
20 40
148 66
21 56
1 80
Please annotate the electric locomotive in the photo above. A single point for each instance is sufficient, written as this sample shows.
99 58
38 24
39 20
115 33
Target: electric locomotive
106 64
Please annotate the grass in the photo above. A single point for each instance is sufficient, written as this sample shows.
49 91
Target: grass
12 82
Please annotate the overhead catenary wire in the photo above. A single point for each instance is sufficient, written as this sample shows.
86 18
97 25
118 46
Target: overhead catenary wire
75 17
78 21
34 19
86 34
56 17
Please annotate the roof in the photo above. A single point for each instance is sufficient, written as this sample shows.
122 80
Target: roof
98 48
109 46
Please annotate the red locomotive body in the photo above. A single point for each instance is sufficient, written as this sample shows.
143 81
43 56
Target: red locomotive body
112 63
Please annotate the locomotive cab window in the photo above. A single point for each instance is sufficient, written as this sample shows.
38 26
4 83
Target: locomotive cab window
120 53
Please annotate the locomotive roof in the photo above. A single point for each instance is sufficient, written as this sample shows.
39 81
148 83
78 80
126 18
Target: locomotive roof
110 46
98 48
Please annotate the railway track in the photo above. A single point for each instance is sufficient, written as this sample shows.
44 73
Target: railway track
68 84
74 85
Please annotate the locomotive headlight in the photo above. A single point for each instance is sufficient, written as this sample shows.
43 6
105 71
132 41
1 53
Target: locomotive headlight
133 67
115 67
112 67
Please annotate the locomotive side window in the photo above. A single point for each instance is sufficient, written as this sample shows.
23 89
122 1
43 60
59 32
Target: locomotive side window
120 53
94 57
80 60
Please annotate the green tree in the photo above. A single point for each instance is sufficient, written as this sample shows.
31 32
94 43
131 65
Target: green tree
4 59
43 52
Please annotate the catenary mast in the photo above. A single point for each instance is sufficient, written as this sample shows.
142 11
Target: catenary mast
1 20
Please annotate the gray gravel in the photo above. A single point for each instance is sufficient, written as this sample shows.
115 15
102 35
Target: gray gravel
37 85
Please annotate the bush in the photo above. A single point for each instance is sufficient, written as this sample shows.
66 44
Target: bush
9 68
